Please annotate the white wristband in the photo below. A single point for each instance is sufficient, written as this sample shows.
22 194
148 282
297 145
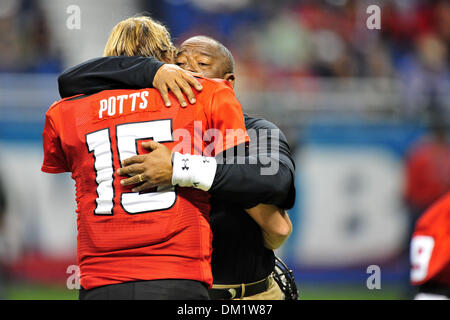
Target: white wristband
193 171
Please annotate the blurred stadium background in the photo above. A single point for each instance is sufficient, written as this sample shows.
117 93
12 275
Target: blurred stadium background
366 113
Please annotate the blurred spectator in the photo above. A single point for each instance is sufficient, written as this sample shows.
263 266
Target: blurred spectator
428 169
425 74
25 40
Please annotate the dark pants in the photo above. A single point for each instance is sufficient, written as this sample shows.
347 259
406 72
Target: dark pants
166 289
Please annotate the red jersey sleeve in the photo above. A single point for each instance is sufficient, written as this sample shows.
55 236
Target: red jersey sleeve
54 159
430 245
226 119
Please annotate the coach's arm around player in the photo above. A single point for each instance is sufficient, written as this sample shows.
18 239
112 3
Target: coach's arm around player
261 186
92 76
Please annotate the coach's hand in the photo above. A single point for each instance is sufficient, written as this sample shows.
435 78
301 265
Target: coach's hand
172 77
149 170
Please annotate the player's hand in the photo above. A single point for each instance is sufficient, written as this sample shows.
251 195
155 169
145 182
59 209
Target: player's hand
172 77
150 170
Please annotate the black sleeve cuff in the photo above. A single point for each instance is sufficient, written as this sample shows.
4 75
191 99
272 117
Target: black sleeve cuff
151 68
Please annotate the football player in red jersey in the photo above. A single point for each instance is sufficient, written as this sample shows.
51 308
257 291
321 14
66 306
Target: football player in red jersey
247 216
430 252
132 245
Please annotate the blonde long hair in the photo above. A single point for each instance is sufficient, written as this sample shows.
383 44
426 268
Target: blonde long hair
140 36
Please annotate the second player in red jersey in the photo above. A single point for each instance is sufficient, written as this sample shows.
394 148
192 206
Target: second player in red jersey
430 249
123 235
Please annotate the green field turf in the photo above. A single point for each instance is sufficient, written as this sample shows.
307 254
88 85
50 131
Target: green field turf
307 292
349 292
39 292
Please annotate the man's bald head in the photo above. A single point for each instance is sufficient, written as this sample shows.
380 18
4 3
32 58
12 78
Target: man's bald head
221 50
213 48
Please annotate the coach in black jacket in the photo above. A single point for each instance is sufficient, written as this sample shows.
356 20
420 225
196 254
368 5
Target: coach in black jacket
243 257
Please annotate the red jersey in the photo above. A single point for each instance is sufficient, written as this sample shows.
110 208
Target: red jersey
430 245
127 236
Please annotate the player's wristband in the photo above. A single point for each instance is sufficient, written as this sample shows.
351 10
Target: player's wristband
193 171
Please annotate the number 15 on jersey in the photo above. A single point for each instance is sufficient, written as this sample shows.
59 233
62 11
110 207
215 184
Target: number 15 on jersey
99 144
